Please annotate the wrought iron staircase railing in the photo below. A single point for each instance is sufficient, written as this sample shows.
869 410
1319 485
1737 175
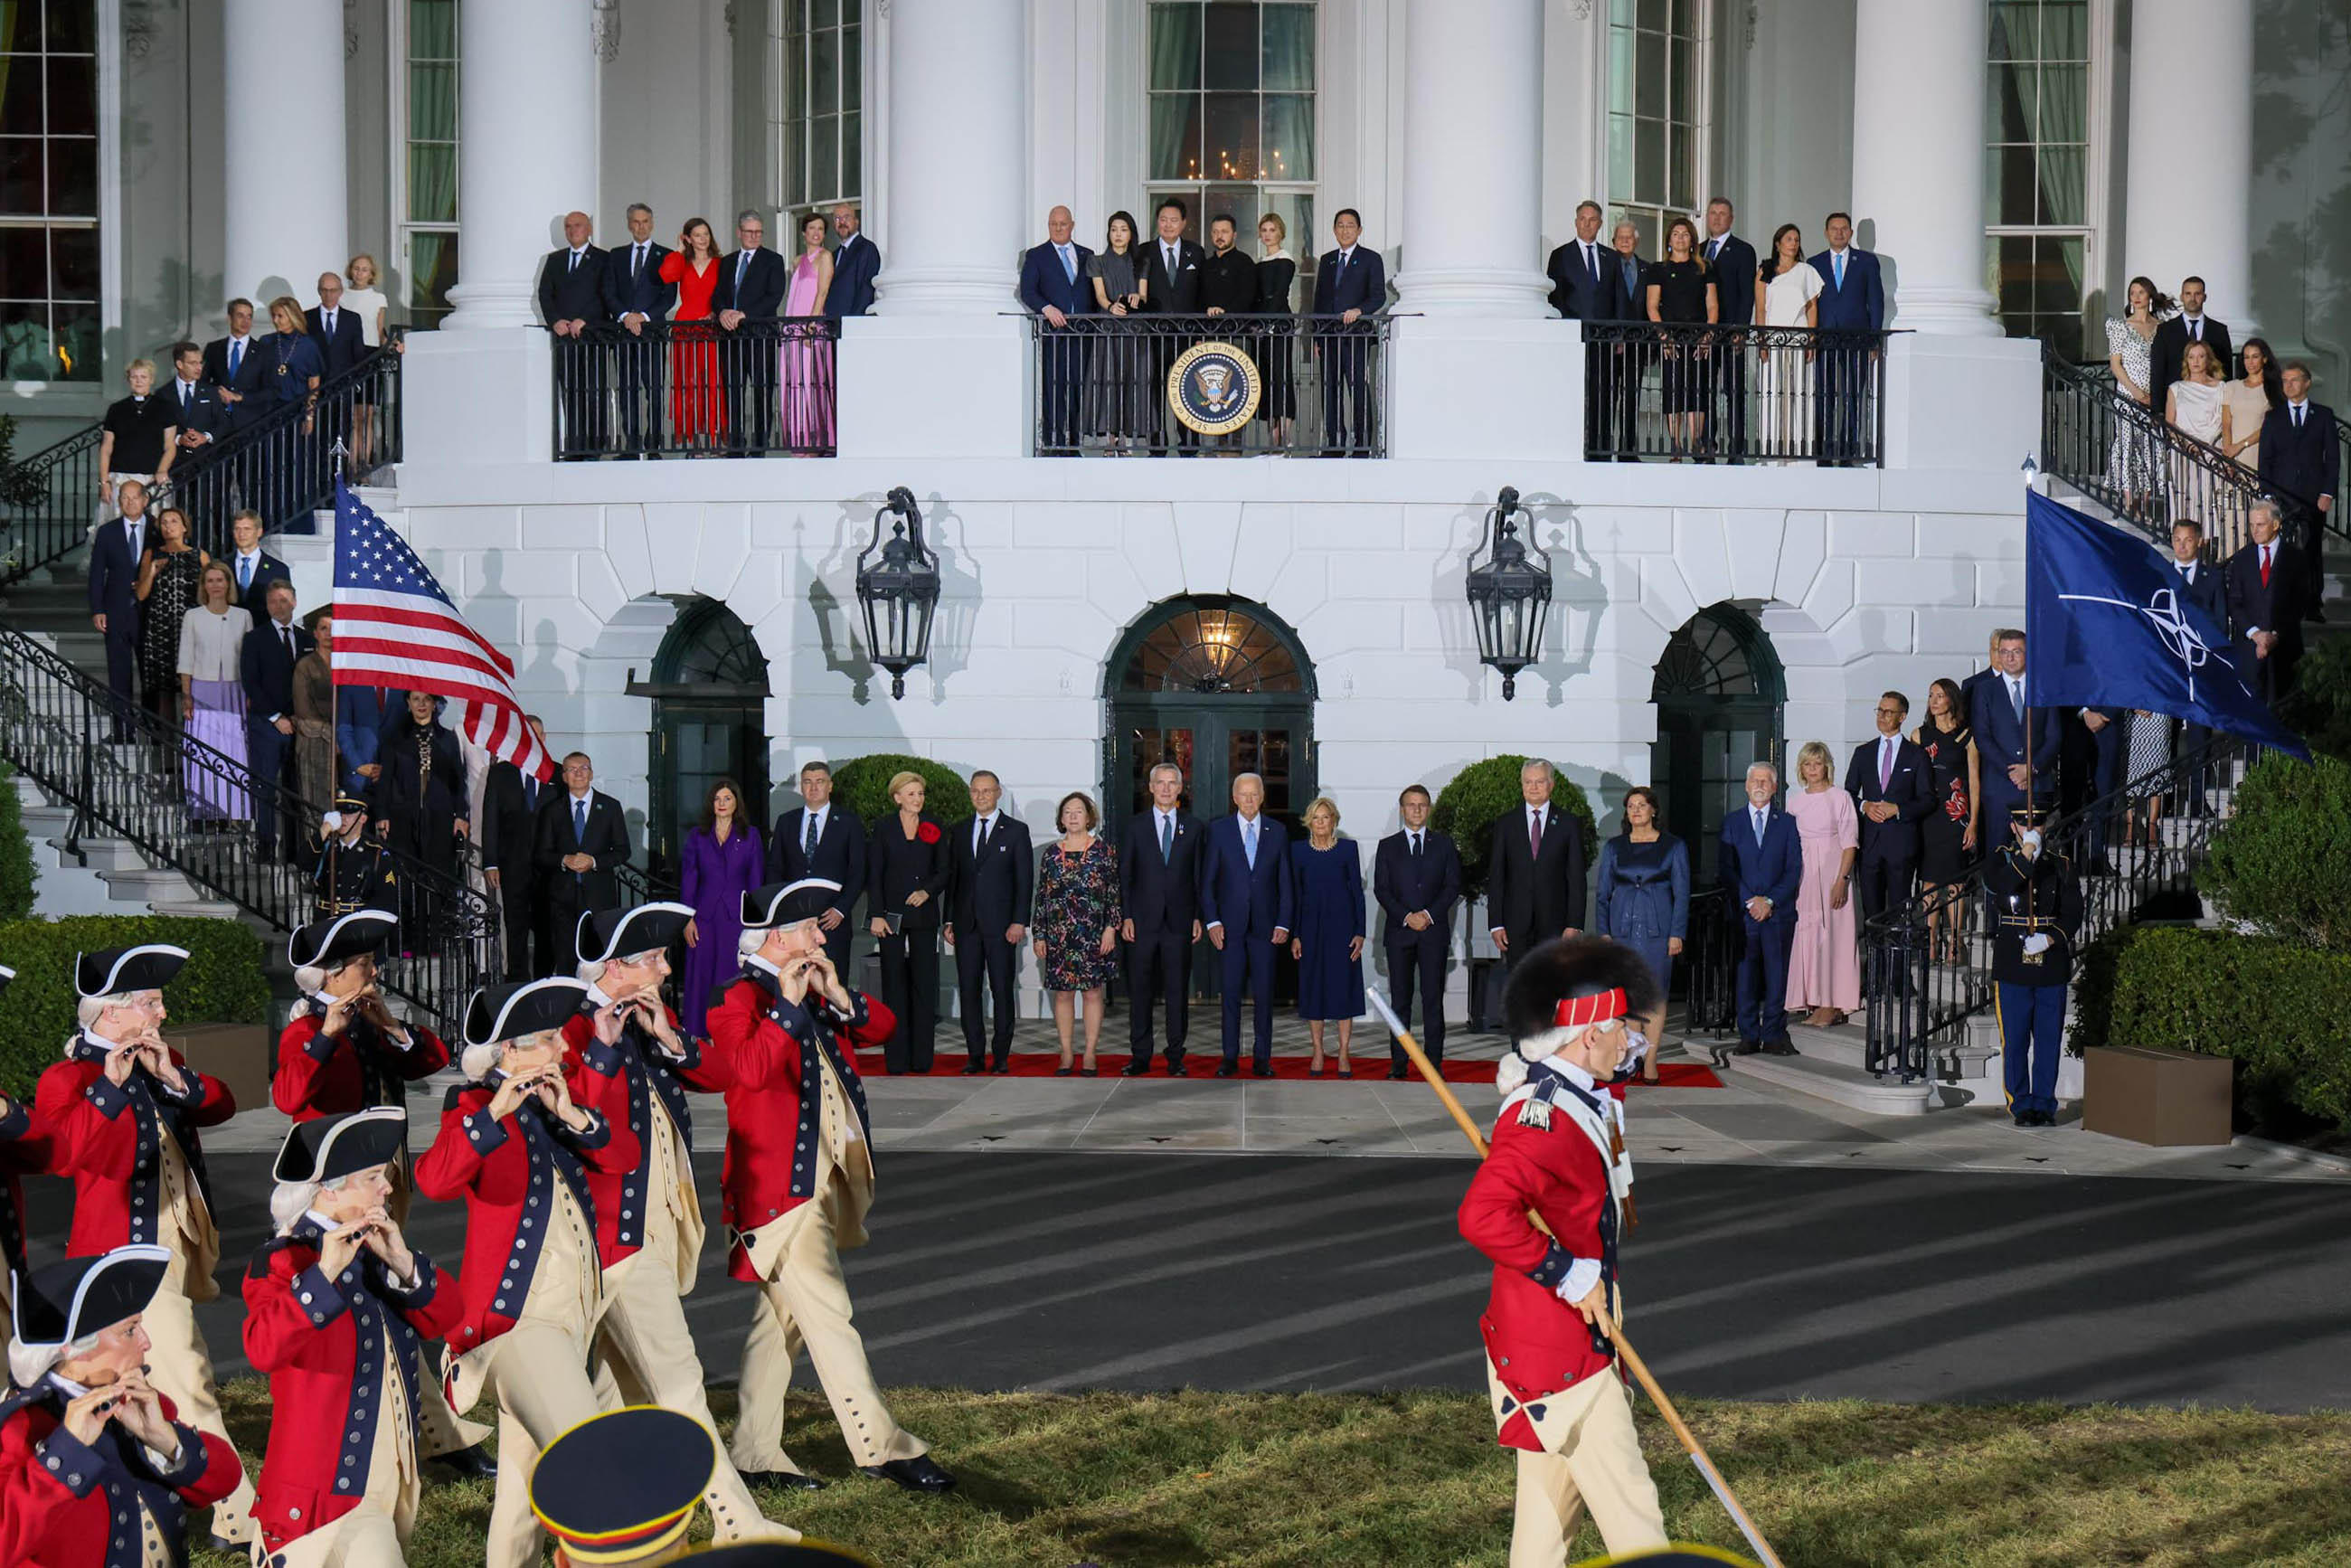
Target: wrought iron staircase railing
56 521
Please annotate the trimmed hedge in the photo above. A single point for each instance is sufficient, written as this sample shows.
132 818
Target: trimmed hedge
222 982
17 874
1467 808
2277 1008
863 784
2320 705
2282 862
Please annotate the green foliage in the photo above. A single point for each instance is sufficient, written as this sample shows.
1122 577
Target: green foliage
2320 706
222 981
1466 810
2282 860
17 874
2277 1008
863 784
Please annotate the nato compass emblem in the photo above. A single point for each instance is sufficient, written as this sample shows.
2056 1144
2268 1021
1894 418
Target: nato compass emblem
1214 388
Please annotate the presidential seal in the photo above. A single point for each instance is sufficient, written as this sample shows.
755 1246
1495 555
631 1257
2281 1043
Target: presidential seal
1214 388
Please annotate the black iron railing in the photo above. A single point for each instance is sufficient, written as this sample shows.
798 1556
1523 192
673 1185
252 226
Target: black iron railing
1103 386
57 522
692 389
1709 963
1734 394
2137 851
192 809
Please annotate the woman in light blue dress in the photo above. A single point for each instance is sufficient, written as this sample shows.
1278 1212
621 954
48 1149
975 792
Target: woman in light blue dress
1640 897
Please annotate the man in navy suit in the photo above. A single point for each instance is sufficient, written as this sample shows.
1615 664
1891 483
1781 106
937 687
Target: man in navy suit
2271 593
2299 453
230 365
1053 283
1171 287
991 888
2172 337
1762 861
265 665
1887 779
752 284
1534 869
855 263
2201 584
1351 283
571 301
1733 261
251 568
820 839
1853 299
635 295
511 800
1245 895
1416 877
1997 712
114 555
342 340
1581 276
1621 360
1159 905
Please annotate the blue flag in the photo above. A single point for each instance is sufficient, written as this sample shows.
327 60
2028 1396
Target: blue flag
2107 627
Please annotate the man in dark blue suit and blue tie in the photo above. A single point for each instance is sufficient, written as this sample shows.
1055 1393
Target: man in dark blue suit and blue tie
855 264
1999 714
2201 584
1891 791
1416 877
1853 299
1053 283
114 607
635 295
1582 290
1159 910
752 285
1245 896
1762 861
1350 283
822 839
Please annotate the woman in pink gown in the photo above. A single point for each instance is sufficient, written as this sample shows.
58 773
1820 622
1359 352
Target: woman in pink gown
806 366
1824 970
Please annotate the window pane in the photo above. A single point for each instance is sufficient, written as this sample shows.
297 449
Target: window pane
1174 48
2066 30
1620 70
824 158
1232 48
1620 156
2065 103
2016 177
20 176
1289 49
852 68
1682 144
74 255
75 329
2057 283
1686 19
1653 15
73 176
20 99
792 158
2014 30
2060 196
1648 160
824 74
824 14
1991 166
1683 106
1240 201
1174 136
431 183
1289 137
433 29
2016 275
24 263
431 270
2011 103
73 26
1232 136
24 342
433 102
73 94
853 155
1649 77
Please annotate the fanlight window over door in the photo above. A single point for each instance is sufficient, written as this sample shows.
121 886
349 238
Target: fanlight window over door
1213 649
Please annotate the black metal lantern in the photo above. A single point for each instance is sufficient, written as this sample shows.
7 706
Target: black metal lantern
1509 593
900 592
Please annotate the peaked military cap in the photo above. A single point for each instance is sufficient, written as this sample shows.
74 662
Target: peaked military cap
621 1485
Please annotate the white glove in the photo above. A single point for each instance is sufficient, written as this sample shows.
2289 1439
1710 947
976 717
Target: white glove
2037 943
1581 1275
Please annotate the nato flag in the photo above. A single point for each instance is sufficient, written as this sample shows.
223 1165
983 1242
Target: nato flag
2107 627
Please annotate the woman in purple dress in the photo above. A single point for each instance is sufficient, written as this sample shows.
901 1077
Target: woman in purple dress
723 860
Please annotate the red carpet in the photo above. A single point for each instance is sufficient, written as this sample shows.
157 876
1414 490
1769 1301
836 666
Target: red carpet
1368 1069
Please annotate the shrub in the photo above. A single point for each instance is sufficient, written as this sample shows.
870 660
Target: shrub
2320 705
2282 860
863 784
17 874
222 982
1465 808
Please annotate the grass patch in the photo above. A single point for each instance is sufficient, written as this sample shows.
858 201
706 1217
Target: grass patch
1412 1480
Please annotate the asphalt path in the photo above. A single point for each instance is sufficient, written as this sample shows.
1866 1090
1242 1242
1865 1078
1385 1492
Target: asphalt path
1065 1272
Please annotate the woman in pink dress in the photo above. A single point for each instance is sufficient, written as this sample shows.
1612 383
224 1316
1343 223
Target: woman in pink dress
698 410
806 362
1824 970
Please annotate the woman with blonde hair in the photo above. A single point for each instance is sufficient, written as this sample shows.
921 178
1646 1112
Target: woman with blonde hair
1075 927
212 699
906 876
1327 869
1825 969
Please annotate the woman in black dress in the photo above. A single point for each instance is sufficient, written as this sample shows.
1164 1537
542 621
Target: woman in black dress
421 807
1681 293
1948 834
905 877
1278 403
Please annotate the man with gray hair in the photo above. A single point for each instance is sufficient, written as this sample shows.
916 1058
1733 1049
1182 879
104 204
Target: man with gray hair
635 294
752 284
1761 862
1159 914
1534 868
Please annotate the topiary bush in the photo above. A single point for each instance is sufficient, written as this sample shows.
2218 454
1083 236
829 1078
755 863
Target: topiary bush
222 982
863 784
17 874
1465 808
2281 863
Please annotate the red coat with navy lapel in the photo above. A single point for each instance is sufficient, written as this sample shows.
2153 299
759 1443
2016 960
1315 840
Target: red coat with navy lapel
65 1504
491 1165
304 1329
321 1074
103 1136
630 1084
770 1047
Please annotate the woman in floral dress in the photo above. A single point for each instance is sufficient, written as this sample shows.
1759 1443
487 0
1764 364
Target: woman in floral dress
1075 925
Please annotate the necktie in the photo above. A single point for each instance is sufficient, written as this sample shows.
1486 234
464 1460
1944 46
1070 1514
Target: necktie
1169 251
2016 697
2187 572
244 574
1416 846
637 264
1885 766
1534 834
979 838
1069 263
808 841
1591 264
2266 566
1166 837
742 265
1713 249
530 791
1248 842
579 821
330 324
2196 331
575 262
1757 812
2298 416
286 635
235 354
186 396
1840 269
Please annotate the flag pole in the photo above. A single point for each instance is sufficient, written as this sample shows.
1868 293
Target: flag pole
1606 1322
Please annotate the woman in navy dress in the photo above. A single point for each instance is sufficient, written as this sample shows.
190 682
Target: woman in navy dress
292 365
722 862
1329 943
1641 898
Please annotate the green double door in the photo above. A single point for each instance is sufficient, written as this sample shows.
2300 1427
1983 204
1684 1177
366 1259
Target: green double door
696 742
1698 765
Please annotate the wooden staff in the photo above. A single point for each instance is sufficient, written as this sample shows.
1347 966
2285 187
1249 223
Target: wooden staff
1608 1325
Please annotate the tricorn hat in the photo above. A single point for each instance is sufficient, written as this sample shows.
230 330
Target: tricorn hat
1572 981
621 1485
116 970
788 902
499 1013
324 944
327 1148
604 934
75 1299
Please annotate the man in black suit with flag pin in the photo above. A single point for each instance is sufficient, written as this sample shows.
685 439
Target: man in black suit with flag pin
1159 902
1416 877
822 839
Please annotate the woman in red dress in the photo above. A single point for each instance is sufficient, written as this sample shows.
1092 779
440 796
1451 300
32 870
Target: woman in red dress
697 412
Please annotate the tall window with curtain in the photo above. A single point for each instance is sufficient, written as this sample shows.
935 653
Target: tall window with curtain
428 235
1659 90
1232 129
49 317
817 117
2037 170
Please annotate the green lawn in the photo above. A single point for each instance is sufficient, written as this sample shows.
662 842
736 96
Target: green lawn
1414 1480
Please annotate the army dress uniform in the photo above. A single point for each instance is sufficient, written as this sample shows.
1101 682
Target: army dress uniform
2035 903
354 876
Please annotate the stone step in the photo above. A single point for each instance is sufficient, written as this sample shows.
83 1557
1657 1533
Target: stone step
1825 1080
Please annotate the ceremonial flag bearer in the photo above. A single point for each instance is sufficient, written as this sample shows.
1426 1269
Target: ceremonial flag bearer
2036 912
353 870
1558 1155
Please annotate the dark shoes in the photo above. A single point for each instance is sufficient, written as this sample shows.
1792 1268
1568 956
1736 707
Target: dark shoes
1002 1069
917 1474
470 1463
1262 1070
1397 1073
1228 1070
781 1481
1175 1068
974 1068
1783 1046
1747 1048
2035 1119
1135 1070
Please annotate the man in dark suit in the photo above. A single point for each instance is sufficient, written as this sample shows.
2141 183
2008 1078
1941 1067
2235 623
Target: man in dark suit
991 885
2201 584
511 800
1416 877
1761 862
571 301
2299 452
114 554
582 835
821 838
230 365
1732 260
1351 283
1581 275
1159 916
1171 272
340 337
1534 869
1622 360
752 285
251 568
1888 781
635 295
1245 896
1053 283
198 412
2172 337
266 670
855 264
1852 300
2271 592
2018 746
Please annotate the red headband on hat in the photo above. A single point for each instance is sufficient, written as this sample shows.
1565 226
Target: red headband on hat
1577 1012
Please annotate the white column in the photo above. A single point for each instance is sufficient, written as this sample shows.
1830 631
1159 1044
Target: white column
1918 160
287 218
526 150
2189 194
1472 231
959 158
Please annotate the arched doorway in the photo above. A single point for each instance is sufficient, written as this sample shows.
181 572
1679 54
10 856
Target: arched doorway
709 689
1718 690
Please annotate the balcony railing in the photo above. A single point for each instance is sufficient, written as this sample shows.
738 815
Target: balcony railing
1733 394
691 389
62 485
1105 385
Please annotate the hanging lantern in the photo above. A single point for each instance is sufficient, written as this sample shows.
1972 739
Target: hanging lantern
900 592
1509 593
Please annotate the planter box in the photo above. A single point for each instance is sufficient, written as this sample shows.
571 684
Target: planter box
2152 1095
236 1053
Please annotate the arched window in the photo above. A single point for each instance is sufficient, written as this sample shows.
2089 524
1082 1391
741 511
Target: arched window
710 722
1718 690
1208 646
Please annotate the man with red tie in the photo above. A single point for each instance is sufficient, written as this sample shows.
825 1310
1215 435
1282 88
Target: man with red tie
2270 594
1534 871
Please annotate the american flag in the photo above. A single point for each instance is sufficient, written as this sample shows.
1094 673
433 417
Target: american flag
395 627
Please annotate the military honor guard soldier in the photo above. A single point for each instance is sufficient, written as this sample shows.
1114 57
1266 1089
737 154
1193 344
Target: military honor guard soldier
353 871
1558 1156
2036 911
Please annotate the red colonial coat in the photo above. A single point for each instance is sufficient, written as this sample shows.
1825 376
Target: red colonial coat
770 1050
306 1331
628 1083
104 1136
496 1167
324 1076
65 1504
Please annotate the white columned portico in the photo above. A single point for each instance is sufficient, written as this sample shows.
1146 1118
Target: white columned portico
2189 194
281 66
1918 160
1472 230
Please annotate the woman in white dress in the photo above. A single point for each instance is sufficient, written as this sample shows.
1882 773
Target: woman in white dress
1790 297
2197 407
364 300
2133 470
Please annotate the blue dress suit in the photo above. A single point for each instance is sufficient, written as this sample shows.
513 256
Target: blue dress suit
1248 895
1854 302
2000 739
1769 869
1046 280
1350 280
1159 893
113 583
1640 897
856 262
